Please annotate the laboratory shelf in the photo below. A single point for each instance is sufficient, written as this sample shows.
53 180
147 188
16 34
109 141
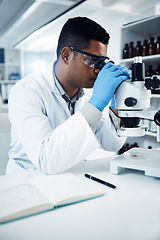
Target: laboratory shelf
138 31
155 96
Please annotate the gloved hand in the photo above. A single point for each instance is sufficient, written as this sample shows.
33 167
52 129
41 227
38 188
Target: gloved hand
105 85
125 70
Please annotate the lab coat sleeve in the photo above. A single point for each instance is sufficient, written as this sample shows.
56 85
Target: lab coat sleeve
50 150
107 135
106 130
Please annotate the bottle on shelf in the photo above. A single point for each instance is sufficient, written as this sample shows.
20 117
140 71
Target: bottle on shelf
152 46
157 71
134 145
121 151
124 148
158 45
149 71
131 50
145 48
125 51
138 49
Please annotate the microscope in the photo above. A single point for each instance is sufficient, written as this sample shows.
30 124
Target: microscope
132 100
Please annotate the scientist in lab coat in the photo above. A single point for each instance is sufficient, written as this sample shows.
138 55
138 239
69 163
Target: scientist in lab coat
60 116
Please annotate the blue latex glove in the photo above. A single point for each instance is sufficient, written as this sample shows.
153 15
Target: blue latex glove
105 85
125 70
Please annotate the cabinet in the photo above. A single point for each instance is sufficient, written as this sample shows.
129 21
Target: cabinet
138 31
10 71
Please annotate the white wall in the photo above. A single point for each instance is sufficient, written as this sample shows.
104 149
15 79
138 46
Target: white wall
111 20
114 47
31 58
113 28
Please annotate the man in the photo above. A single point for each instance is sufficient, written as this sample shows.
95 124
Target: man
56 119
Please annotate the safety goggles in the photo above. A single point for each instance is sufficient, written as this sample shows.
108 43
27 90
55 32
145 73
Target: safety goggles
88 58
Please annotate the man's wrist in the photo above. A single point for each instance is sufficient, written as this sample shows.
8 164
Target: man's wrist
96 104
114 111
116 114
91 114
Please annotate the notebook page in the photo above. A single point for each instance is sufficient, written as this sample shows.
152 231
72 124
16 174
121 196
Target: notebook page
16 199
64 186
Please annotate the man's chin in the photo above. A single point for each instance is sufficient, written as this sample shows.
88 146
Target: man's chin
91 83
89 86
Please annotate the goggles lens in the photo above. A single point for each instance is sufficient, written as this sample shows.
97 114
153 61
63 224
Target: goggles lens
89 61
88 58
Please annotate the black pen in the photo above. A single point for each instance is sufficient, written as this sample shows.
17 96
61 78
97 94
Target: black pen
100 181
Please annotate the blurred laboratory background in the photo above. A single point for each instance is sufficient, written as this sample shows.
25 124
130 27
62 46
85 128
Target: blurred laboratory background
29 31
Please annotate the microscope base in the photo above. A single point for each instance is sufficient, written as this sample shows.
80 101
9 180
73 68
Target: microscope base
146 160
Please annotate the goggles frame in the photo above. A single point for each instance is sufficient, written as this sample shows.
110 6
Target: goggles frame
90 62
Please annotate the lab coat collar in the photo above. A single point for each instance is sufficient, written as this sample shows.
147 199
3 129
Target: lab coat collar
49 74
50 81
51 78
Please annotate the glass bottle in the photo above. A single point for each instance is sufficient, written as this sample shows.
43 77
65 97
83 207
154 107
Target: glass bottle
125 51
145 49
126 147
157 71
121 151
138 49
158 45
152 46
131 50
149 71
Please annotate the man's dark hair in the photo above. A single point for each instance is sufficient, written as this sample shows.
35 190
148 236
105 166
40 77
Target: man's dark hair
78 32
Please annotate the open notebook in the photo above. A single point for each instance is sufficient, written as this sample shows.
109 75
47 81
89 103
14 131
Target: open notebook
23 197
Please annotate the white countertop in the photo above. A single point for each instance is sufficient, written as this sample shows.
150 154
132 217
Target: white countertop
129 212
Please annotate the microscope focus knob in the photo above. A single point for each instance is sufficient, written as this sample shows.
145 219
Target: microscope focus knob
130 101
157 118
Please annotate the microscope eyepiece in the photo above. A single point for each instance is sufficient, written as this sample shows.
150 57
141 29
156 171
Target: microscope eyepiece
101 62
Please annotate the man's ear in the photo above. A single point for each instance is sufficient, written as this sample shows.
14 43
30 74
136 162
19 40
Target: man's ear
65 54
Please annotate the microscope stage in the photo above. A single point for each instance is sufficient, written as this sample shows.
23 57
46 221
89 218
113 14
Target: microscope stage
147 160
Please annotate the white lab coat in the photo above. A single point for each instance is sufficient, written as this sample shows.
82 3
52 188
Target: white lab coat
44 135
